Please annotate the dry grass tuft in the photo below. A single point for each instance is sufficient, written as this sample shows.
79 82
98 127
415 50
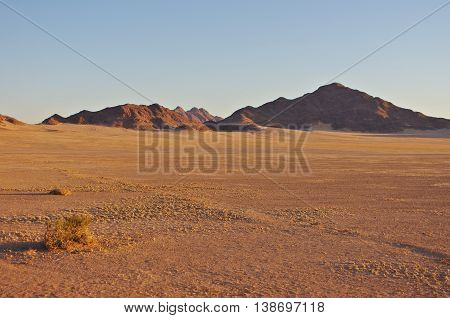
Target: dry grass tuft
31 252
60 191
69 233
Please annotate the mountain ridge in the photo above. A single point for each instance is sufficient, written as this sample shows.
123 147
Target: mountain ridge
4 120
151 117
339 106
335 105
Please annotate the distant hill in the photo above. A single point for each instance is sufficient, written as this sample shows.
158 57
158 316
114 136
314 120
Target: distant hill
132 116
340 107
5 120
202 115
333 105
198 114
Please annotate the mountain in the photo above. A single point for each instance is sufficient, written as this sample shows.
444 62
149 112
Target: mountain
132 116
334 105
203 115
198 114
5 120
341 107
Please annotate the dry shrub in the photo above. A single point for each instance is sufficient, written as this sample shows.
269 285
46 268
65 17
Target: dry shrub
60 191
31 252
69 233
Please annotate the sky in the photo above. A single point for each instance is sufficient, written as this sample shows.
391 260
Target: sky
220 55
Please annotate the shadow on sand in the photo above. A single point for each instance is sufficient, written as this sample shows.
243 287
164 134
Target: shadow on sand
25 193
21 246
422 251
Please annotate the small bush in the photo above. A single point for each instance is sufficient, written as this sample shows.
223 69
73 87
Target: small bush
69 233
31 252
60 191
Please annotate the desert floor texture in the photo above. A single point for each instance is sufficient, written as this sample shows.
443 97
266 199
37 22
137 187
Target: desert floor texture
371 220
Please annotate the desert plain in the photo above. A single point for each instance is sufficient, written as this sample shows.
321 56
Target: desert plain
371 219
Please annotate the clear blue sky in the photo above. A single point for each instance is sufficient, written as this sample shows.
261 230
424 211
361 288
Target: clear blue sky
221 55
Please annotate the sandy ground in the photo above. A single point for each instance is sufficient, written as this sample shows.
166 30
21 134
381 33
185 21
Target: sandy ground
370 220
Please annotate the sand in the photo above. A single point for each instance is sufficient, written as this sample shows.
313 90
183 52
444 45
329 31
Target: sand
370 220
